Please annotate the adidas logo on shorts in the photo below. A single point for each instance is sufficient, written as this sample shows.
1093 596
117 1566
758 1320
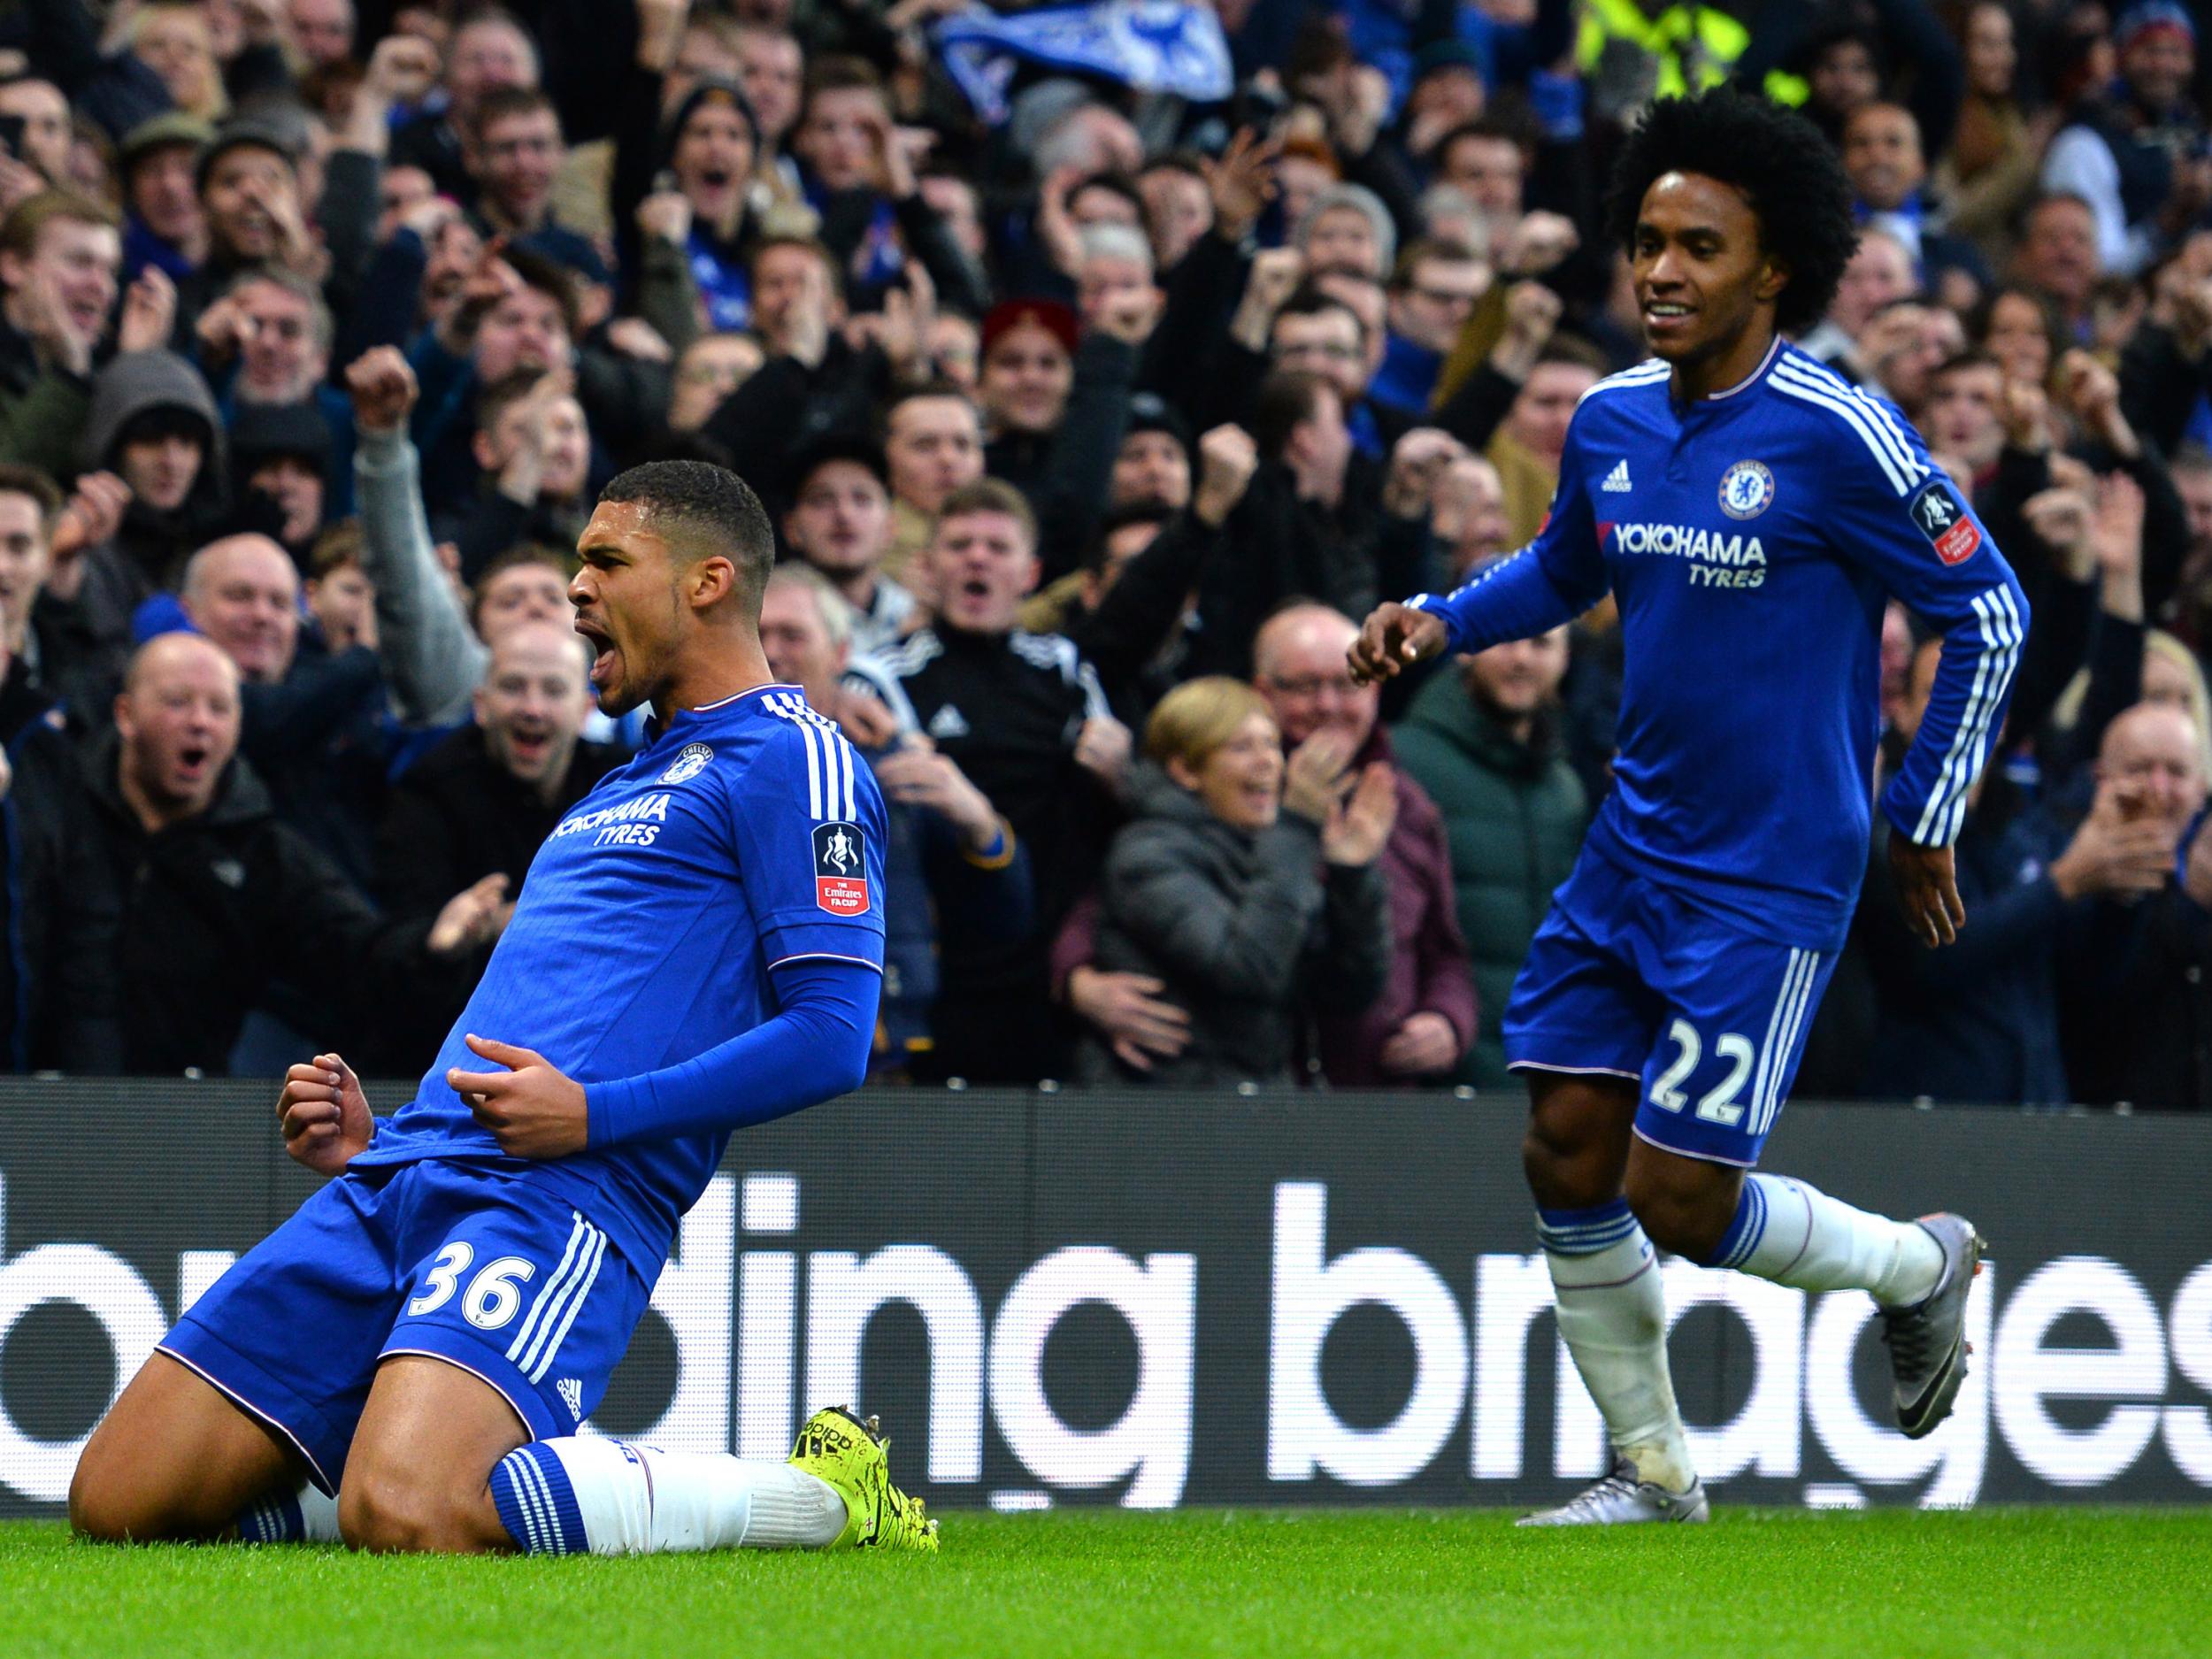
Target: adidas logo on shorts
571 1392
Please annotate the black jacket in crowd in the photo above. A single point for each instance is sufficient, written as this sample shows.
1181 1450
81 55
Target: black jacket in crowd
216 909
2135 1002
58 907
456 816
319 742
1008 710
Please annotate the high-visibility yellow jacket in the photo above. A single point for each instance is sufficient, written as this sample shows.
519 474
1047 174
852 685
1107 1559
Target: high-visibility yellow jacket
1718 40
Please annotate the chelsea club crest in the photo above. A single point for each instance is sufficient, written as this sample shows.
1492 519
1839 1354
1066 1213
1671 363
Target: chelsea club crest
1747 489
690 761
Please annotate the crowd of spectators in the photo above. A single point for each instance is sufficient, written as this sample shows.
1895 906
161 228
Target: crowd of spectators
1098 374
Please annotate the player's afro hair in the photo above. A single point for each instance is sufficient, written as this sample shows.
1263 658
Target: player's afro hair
1780 161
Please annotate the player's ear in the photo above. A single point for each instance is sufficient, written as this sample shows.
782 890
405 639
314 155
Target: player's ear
713 579
1774 276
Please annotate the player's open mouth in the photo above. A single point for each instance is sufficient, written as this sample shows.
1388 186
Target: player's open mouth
975 588
604 657
192 761
1665 316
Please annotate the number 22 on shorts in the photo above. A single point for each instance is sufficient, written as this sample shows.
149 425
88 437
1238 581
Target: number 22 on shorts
1720 1104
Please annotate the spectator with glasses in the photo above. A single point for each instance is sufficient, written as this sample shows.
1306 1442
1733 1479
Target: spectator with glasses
1434 292
1423 1021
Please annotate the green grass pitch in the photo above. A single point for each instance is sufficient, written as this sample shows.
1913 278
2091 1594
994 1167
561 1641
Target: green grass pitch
1756 1583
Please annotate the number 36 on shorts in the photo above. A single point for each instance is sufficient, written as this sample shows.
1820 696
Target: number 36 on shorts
494 1291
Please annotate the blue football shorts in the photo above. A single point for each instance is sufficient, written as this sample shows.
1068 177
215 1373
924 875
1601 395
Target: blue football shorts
482 1268
1628 979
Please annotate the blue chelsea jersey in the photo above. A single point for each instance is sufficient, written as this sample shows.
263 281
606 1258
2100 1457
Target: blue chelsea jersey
744 835
1751 539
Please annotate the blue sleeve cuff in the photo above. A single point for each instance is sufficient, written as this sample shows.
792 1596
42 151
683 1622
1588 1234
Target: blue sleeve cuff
609 1106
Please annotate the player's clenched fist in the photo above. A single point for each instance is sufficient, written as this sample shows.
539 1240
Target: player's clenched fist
324 1114
1394 636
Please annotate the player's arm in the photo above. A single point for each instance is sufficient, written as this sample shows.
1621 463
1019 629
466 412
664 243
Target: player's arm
1553 580
815 1047
1894 512
812 870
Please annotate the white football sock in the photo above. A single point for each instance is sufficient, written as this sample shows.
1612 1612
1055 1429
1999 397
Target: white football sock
303 1517
1613 1317
619 1498
1797 1235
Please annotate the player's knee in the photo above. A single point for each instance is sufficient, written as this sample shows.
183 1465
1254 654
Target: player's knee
94 1512
1688 1220
1565 1171
102 1505
388 1514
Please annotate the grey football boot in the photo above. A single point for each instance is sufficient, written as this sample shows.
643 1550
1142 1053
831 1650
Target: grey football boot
1927 1341
1620 1498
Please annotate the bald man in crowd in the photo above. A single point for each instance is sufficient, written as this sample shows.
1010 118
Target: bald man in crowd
218 899
315 720
2136 974
1423 1023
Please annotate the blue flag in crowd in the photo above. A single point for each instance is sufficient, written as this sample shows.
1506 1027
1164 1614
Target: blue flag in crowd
1152 45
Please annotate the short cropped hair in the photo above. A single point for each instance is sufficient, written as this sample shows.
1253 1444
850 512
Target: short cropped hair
1565 348
836 611
710 504
1785 169
549 277
1310 299
276 276
336 548
1431 250
813 245
1285 400
992 495
839 72
516 557
1198 717
19 232
28 480
505 102
503 393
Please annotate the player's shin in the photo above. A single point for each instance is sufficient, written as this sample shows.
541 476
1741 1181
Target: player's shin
1613 1317
1797 1235
615 1498
303 1517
